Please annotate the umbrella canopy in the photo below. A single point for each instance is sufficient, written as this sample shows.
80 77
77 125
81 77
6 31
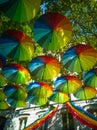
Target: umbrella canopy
67 84
39 89
36 101
16 73
19 46
52 31
3 81
2 60
79 58
16 103
21 10
15 92
86 93
59 97
90 78
44 67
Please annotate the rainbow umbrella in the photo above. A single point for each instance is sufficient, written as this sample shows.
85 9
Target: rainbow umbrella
39 90
86 93
16 73
2 60
15 92
90 78
3 81
19 46
59 97
67 84
79 58
52 31
44 67
21 10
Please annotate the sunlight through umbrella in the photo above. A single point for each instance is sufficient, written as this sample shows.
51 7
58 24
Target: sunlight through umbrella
86 93
79 58
44 67
67 84
16 73
59 97
52 31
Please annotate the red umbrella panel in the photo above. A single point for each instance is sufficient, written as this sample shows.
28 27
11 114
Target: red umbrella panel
67 84
16 73
52 31
79 58
44 67
19 46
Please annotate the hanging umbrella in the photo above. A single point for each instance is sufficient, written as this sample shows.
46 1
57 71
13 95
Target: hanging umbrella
21 10
3 81
44 67
90 78
59 97
79 58
39 90
52 31
16 45
86 93
67 84
2 60
15 92
16 73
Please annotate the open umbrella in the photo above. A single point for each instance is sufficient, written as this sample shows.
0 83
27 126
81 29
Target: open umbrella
59 97
52 31
44 67
90 78
16 73
2 60
15 92
86 93
79 58
39 89
67 84
21 10
16 45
